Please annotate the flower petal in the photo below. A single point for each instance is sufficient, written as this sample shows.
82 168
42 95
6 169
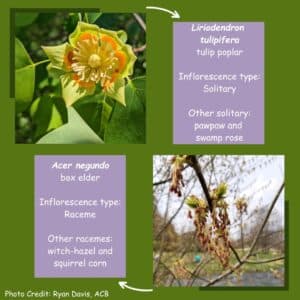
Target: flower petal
131 58
81 28
116 36
122 35
57 54
121 46
72 91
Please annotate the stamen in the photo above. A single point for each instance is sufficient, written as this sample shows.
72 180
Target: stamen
93 61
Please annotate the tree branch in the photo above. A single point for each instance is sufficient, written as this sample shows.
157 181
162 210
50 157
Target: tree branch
140 21
166 180
166 225
266 219
264 261
195 272
193 162
245 258
143 25
235 252
139 49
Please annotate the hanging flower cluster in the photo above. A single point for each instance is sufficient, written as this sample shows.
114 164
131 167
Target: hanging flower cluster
93 57
241 205
177 164
212 226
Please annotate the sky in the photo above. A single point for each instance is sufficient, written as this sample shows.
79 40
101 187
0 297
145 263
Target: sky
258 186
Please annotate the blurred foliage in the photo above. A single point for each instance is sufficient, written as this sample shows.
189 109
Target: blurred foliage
49 29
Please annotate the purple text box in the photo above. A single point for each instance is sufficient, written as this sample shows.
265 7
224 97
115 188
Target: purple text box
218 83
80 216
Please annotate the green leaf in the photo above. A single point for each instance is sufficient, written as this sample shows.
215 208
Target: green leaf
117 92
71 21
106 110
92 16
22 58
60 107
89 109
24 77
71 91
95 111
127 124
76 131
56 119
47 113
42 116
24 18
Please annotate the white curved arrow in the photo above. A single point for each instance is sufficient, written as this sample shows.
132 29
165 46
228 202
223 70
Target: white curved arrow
123 285
174 14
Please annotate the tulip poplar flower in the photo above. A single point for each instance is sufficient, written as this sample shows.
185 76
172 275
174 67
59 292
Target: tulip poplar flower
92 57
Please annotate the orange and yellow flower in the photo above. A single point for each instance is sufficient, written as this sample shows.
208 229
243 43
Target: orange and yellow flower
93 56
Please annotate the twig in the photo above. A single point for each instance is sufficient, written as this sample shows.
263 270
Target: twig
245 258
161 249
194 273
267 248
139 49
140 21
171 218
263 261
234 252
143 25
172 274
170 178
265 220
166 180
193 162
187 247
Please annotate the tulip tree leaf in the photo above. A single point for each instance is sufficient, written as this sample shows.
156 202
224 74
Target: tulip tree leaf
118 91
24 77
90 112
42 116
76 131
95 111
127 123
47 113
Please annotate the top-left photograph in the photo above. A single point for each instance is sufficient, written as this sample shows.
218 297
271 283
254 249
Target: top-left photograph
78 77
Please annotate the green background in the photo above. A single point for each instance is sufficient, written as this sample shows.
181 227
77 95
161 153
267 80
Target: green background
281 124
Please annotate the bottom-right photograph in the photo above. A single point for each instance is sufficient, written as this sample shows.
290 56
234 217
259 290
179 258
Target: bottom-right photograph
219 221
